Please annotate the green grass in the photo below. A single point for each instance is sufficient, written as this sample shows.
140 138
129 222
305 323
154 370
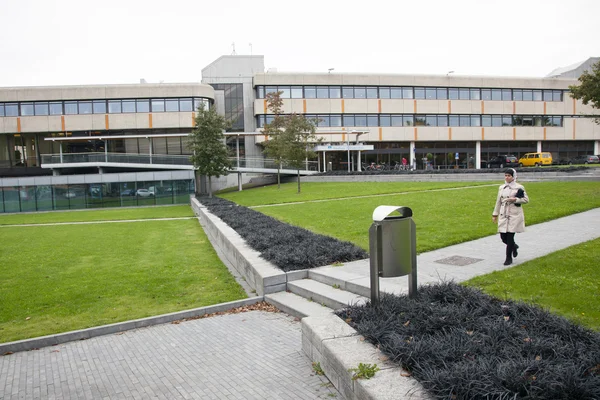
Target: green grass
112 214
61 278
443 217
565 282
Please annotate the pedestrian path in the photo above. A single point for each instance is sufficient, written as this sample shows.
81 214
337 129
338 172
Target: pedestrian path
255 355
482 256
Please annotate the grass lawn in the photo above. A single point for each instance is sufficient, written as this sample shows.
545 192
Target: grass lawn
66 277
565 282
443 217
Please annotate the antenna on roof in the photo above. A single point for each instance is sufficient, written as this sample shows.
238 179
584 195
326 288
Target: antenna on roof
233 53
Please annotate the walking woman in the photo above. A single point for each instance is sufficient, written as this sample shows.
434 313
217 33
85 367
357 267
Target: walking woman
508 213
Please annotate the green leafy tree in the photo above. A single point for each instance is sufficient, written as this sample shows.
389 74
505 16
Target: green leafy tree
276 145
588 91
210 155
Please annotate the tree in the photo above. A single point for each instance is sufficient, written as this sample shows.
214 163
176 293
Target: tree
589 89
289 137
275 146
207 143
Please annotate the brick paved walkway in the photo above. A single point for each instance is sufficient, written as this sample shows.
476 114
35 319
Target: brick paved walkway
253 355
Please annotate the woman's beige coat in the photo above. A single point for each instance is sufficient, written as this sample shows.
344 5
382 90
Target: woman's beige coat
510 217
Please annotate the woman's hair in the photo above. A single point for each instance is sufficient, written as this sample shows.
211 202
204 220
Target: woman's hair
512 172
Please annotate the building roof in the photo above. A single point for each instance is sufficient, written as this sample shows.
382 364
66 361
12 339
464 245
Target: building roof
572 69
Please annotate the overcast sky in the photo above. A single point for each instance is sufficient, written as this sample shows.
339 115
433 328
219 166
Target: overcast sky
70 42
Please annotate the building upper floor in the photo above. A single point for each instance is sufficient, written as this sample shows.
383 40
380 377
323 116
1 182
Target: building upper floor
101 107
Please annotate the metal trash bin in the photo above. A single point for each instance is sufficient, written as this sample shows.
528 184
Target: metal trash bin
392 247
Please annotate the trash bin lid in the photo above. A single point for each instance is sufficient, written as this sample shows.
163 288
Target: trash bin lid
382 212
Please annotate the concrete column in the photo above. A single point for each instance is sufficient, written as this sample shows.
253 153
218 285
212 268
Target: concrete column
478 154
539 146
597 147
412 154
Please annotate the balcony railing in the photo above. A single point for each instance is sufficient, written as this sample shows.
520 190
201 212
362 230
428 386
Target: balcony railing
255 163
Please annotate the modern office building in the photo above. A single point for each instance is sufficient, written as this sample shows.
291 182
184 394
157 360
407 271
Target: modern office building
88 146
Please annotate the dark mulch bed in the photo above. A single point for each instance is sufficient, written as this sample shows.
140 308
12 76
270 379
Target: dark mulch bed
463 344
288 247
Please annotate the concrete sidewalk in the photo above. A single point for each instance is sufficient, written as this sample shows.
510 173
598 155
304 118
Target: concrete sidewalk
478 257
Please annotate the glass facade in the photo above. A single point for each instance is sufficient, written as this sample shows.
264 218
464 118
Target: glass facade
94 195
408 92
102 106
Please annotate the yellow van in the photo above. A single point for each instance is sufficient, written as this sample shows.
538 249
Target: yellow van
535 159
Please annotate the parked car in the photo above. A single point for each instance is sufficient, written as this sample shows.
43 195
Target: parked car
535 159
503 161
128 192
584 160
144 193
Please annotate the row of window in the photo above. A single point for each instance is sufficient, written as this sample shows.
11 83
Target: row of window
408 92
386 120
113 106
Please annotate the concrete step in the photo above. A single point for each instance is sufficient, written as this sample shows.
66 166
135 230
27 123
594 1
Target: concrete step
327 295
351 283
295 305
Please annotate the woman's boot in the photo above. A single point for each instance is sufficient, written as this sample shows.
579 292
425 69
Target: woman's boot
509 252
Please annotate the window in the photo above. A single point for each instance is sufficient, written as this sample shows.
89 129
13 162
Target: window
323 120
430 93
27 109
360 120
407 93
527 121
384 92
85 107
506 120
360 93
396 93
270 89
464 120
285 92
537 95
486 94
11 109
348 92
537 121
463 94
384 120
453 94
142 106
486 120
442 120
158 105
172 105
260 92
335 120
70 107
99 106
349 120
371 93
419 120
128 106
547 94
296 92
310 92
56 108
453 120
372 120
41 108
409 120
442 93
496 94
1 110
475 94
335 92
198 102
397 120
419 93
557 95
322 92
496 120
431 120
517 95
506 94
114 106
475 120
527 95
185 105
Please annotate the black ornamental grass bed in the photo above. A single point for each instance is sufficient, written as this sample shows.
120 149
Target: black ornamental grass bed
288 247
463 344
